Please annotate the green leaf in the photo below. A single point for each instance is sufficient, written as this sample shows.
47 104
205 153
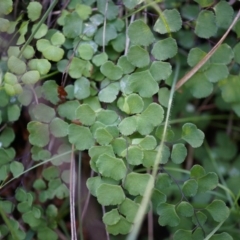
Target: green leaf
121 227
112 217
50 91
7 136
20 194
45 233
93 183
230 89
39 134
164 49
119 145
112 9
192 135
39 184
130 4
111 167
10 78
16 168
163 181
12 90
73 25
149 157
163 96
139 33
109 93
57 39
136 183
147 143
43 113
218 210
16 65
82 88
80 136
206 24
85 114
224 54
169 21
7 206
100 59
131 104
24 207
118 43
50 173
182 235
202 218
207 182
138 56
125 65
83 11
23 30
179 153
30 77
168 215
108 194
6 7
85 51
142 83
58 128
195 56
160 70
221 236
129 209
102 136
41 32
236 50
216 72
110 34
185 209
53 53
224 14
111 71
4 25
107 117
3 173
197 171
204 3
77 67
34 10
28 52
169 133
68 109
198 234
128 125
151 117
43 44
134 155
157 198
190 188
43 66
13 112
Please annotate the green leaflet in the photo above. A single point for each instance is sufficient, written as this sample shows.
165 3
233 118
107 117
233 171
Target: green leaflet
140 34
172 22
206 24
192 135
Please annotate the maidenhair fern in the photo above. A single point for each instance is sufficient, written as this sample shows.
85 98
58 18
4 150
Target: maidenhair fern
97 77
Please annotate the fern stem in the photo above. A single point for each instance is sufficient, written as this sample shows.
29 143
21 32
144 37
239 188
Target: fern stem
72 195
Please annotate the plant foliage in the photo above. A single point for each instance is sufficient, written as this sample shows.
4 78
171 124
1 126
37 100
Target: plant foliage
98 78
